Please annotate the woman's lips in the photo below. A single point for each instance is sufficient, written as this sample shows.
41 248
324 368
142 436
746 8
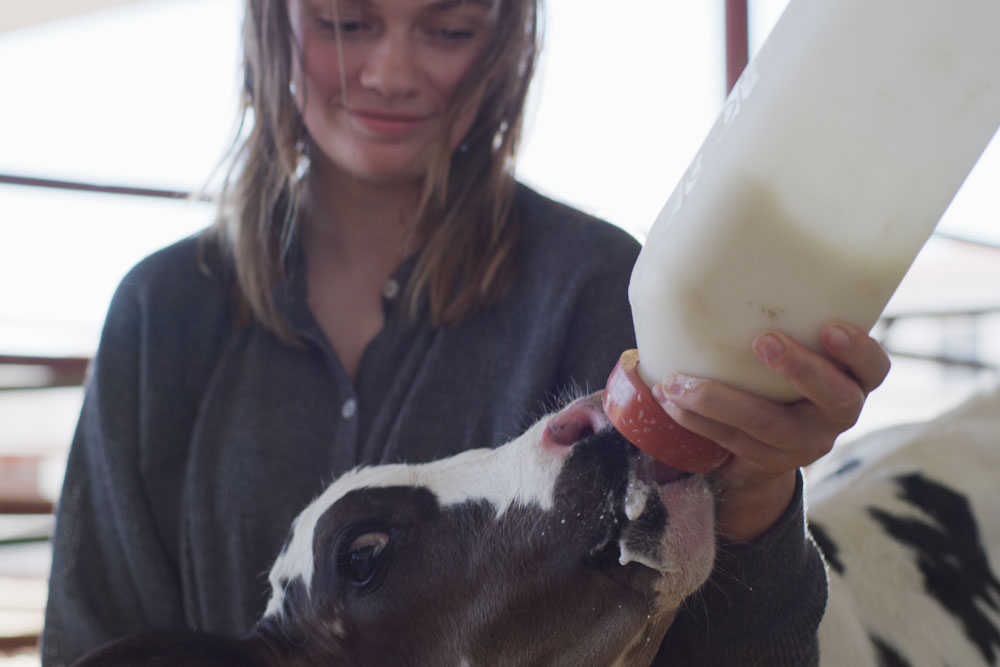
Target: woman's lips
385 124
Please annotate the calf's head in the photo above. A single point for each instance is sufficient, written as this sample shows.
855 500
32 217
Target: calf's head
564 546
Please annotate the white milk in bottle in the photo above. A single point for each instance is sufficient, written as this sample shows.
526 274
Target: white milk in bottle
836 154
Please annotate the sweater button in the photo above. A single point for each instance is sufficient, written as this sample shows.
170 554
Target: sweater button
349 408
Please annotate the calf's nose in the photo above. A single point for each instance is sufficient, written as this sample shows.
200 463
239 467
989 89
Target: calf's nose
576 421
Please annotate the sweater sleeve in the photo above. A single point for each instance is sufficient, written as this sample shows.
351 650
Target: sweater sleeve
111 574
762 605
117 544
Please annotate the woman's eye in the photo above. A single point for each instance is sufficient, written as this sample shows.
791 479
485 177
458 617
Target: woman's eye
347 28
451 35
352 27
361 559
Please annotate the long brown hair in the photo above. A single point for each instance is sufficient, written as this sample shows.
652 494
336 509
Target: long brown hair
464 223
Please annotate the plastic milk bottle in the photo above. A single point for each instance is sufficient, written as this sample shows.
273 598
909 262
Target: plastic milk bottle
835 155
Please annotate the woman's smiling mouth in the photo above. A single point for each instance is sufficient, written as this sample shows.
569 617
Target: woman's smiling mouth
387 124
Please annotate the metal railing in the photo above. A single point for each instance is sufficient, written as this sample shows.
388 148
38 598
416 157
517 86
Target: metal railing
80 186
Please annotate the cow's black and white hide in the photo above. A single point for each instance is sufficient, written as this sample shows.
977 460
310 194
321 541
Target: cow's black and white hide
909 521
565 546
568 547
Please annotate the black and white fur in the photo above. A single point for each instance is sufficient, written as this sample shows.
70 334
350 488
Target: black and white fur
565 546
568 547
909 521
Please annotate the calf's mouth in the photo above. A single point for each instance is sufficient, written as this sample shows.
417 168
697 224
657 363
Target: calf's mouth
650 513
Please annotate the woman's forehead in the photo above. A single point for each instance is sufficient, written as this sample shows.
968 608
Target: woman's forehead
420 5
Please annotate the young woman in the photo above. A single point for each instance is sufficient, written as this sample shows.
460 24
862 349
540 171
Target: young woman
379 288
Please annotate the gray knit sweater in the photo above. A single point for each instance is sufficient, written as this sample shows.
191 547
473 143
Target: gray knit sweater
200 439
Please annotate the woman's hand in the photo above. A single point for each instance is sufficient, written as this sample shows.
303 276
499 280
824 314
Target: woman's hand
771 440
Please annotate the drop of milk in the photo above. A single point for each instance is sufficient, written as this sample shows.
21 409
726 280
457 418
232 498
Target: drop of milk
628 556
636 495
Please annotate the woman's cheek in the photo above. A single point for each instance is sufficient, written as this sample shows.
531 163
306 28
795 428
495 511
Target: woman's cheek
322 70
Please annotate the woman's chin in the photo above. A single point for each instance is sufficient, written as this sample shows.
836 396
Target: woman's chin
381 170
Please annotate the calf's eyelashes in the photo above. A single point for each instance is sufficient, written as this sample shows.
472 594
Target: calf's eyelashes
360 559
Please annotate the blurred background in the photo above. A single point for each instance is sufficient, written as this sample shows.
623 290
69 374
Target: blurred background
113 110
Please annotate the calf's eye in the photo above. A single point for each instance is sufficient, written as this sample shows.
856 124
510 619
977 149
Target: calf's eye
361 560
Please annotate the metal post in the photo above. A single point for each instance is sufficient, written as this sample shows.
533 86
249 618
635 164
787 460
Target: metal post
737 40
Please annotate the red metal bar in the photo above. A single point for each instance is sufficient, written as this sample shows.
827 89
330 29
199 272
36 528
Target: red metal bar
737 41
18 643
63 371
29 181
27 506
57 363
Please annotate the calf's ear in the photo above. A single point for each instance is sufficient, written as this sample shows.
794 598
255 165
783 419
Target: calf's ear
286 626
301 632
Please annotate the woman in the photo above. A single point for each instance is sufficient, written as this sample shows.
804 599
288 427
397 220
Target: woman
378 288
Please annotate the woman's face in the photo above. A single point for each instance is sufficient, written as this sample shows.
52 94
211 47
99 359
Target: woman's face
373 93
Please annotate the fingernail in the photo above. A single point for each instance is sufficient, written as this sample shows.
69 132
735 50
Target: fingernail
661 397
674 386
664 391
768 347
838 337
660 393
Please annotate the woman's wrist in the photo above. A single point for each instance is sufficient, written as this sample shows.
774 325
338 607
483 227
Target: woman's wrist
747 511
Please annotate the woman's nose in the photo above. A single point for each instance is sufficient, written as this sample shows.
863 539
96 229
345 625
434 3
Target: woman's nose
390 66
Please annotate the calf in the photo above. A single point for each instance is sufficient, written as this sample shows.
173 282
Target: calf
909 521
566 546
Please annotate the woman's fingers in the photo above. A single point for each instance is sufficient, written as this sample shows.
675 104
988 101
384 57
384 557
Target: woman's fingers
771 439
721 413
771 435
834 393
834 387
861 354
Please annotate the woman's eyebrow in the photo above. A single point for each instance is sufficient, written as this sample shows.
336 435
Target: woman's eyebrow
445 5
